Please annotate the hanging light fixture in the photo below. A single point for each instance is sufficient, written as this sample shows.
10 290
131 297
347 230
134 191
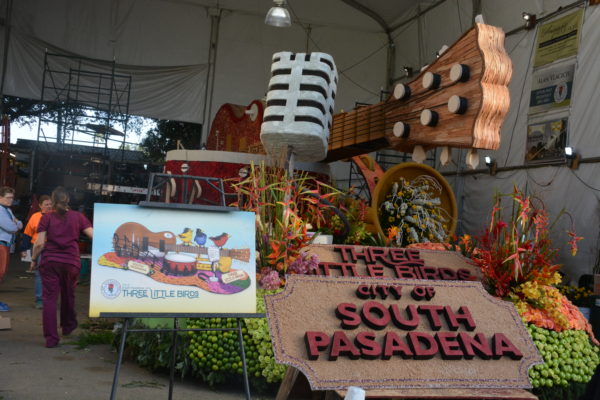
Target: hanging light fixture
530 20
278 15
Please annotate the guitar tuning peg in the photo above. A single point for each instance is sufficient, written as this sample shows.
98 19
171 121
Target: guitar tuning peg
418 154
401 91
401 130
472 159
459 73
429 117
431 81
457 104
445 156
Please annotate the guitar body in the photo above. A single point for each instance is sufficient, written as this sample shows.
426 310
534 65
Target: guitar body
469 111
132 238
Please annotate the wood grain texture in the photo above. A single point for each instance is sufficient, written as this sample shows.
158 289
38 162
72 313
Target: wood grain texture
370 128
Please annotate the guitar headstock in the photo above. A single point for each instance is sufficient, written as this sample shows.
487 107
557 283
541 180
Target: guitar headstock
460 100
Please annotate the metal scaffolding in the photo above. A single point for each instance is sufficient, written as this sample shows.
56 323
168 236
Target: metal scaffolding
85 104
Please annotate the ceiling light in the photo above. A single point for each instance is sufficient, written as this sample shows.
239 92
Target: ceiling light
569 152
530 20
278 15
572 157
491 164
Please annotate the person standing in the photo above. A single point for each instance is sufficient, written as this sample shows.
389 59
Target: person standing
9 225
58 244
31 231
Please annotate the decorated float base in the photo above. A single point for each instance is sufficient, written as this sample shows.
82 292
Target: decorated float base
221 279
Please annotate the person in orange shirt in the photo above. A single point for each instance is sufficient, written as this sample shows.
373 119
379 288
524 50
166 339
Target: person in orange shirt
31 230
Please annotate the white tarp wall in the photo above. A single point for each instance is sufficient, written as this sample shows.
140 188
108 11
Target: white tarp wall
164 45
577 191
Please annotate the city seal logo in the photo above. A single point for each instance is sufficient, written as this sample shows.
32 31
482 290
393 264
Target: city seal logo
111 289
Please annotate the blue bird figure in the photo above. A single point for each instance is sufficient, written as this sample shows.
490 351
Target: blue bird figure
200 237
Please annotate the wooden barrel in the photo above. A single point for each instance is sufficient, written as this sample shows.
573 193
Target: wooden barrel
410 171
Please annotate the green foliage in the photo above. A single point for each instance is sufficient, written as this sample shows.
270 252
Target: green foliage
260 338
152 350
166 134
87 339
569 357
94 332
212 355
284 206
216 356
27 112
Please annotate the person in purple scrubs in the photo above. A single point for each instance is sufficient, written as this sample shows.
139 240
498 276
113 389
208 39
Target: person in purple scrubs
58 237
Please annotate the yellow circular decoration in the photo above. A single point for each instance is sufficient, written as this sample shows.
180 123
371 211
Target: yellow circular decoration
410 171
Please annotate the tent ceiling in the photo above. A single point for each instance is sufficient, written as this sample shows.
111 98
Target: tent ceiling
330 13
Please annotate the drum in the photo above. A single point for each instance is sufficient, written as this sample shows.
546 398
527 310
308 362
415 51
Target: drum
179 264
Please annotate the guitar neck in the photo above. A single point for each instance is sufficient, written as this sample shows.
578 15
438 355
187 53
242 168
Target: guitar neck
242 255
357 132
481 94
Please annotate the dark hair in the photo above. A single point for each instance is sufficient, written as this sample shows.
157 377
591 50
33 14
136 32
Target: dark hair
4 190
43 198
60 200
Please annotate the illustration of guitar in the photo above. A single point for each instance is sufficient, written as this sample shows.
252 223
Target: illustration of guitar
132 240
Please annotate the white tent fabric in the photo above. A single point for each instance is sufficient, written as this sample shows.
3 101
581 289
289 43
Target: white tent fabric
166 44
575 191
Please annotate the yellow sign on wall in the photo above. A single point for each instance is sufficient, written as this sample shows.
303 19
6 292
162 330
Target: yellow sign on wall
558 39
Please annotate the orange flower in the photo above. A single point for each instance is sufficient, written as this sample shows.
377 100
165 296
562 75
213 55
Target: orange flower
573 242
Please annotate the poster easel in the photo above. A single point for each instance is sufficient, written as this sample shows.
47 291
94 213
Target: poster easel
176 328
169 183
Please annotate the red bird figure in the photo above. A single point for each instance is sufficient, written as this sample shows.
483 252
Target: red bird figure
220 240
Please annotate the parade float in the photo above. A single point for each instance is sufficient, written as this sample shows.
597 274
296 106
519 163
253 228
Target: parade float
412 206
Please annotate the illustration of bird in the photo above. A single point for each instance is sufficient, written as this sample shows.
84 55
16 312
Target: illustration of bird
186 236
200 237
220 240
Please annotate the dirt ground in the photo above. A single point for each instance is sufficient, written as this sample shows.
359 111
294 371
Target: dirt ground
29 371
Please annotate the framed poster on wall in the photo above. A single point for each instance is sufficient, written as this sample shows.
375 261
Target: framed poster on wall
172 262
552 87
558 39
546 140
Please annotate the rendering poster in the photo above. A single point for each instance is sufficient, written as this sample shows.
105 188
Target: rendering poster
172 262
546 140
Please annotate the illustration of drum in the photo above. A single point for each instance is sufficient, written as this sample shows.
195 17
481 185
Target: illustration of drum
179 264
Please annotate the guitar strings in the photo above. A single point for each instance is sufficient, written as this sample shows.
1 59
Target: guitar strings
364 125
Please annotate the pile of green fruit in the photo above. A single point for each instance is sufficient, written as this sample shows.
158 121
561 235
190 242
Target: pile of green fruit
569 356
215 355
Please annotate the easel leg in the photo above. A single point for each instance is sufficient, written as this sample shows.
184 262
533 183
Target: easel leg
173 356
243 353
113 391
287 383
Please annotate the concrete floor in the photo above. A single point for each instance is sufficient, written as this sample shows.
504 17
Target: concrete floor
29 371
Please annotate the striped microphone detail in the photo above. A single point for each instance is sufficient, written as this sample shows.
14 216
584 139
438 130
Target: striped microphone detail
300 101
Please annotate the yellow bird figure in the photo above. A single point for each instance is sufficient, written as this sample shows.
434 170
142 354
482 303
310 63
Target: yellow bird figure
187 236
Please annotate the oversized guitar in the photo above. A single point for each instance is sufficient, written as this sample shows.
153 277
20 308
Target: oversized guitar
460 100
132 239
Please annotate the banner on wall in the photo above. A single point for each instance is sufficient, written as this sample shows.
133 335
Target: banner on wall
546 140
172 262
551 87
558 39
